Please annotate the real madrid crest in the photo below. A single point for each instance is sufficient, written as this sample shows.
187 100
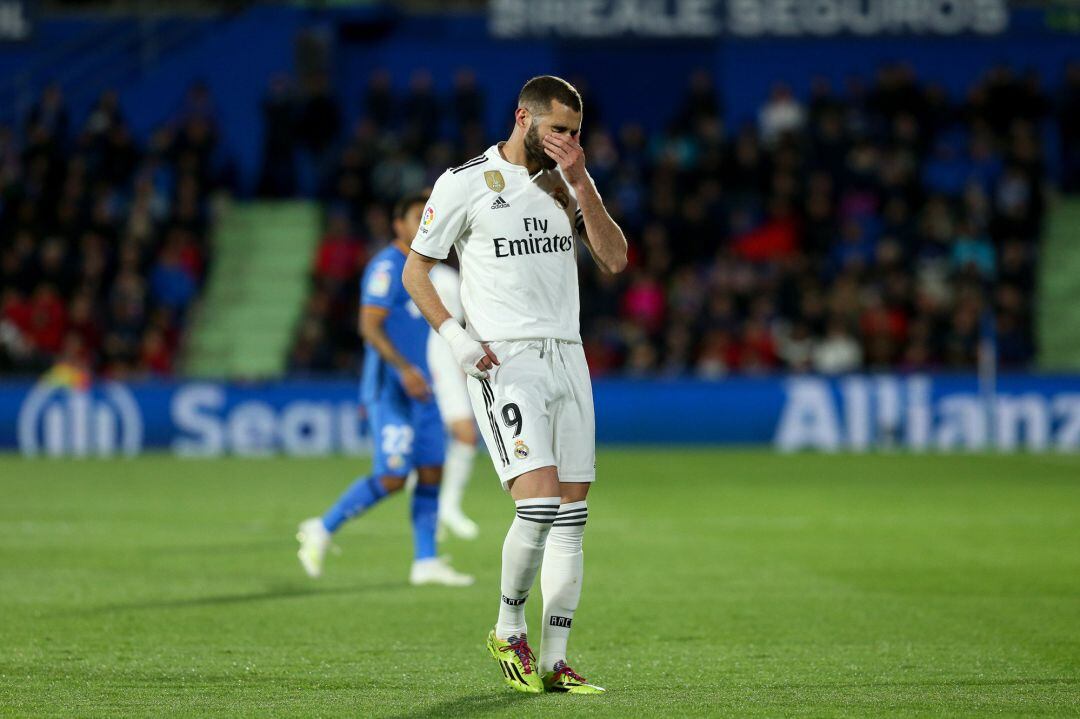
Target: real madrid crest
494 180
521 450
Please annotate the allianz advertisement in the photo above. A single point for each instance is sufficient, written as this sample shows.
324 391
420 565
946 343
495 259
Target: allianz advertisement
305 418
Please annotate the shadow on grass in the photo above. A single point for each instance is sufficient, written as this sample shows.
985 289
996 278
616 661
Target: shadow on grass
288 591
468 705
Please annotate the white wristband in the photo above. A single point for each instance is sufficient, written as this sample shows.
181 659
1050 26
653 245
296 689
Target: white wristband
465 349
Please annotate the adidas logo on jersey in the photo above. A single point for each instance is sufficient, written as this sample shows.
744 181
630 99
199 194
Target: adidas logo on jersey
499 203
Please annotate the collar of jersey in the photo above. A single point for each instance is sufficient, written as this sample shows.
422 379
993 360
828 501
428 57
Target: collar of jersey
496 156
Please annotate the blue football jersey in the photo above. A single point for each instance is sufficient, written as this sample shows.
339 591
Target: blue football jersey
406 328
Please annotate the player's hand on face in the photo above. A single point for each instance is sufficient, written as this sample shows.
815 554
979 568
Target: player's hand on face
415 384
568 153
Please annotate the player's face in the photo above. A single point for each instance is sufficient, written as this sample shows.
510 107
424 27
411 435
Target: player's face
405 228
561 120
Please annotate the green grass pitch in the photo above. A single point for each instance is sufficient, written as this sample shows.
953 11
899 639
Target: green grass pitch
717 584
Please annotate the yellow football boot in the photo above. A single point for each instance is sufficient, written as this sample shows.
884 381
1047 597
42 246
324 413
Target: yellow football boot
517 662
566 681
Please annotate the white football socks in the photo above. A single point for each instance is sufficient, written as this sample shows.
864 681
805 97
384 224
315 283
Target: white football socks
523 551
456 471
560 581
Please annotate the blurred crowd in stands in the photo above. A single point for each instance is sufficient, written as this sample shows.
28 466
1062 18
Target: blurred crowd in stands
400 145
882 224
103 240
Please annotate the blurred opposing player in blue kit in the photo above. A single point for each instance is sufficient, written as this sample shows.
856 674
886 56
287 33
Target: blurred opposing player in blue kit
406 427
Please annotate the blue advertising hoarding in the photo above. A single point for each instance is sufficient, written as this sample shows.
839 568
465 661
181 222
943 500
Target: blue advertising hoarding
792 413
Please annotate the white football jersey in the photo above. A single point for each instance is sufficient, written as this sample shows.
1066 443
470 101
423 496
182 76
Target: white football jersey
516 237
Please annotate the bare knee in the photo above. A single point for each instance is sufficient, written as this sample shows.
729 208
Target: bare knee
392 483
429 475
574 491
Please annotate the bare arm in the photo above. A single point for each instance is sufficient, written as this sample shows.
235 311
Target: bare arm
371 328
422 290
603 235
604 238
474 357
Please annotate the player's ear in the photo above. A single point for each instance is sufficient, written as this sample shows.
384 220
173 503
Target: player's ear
522 118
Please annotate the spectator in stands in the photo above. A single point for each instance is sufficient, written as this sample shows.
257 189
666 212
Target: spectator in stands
155 357
421 112
781 114
837 352
198 105
105 114
318 127
277 178
468 101
340 255
172 284
16 349
796 347
379 101
701 102
47 321
50 114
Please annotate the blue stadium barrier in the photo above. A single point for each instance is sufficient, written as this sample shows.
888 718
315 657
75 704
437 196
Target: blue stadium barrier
852 413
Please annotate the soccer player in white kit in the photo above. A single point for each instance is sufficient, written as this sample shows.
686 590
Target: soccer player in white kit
452 396
516 216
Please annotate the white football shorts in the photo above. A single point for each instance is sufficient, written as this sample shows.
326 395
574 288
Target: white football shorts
535 409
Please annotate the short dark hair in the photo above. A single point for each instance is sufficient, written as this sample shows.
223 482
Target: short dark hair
402 206
538 93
